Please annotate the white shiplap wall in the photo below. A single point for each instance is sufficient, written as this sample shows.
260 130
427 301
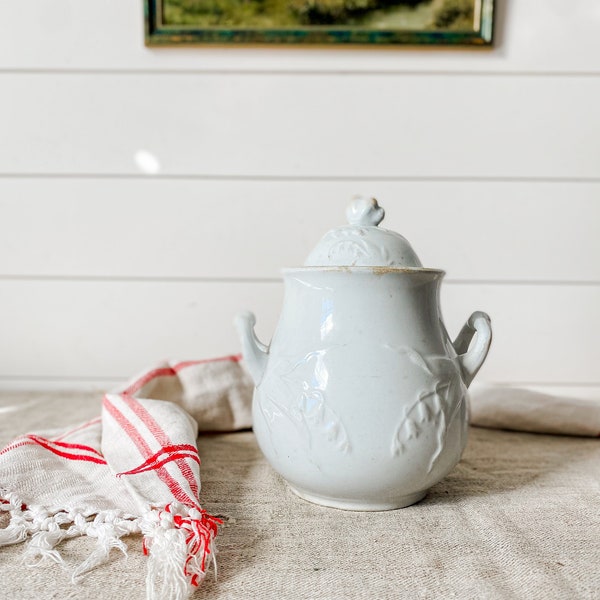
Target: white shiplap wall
488 161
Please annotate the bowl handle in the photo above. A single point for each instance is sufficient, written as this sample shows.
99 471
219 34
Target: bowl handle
255 353
471 358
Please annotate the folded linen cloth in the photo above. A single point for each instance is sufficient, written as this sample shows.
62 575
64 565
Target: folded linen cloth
134 469
520 409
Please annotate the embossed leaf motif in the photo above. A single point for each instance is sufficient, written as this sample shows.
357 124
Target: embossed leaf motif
433 408
322 419
301 399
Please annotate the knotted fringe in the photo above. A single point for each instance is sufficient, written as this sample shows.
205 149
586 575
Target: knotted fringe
178 541
47 530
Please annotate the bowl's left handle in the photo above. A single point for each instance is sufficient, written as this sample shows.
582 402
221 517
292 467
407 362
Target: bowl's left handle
471 358
255 353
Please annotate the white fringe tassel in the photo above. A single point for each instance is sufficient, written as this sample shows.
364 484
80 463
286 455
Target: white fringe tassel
178 540
46 531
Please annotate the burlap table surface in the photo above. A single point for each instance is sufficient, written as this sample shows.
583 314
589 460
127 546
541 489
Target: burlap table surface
518 518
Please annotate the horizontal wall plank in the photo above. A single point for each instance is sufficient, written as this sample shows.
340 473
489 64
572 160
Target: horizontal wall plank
343 126
530 36
111 330
250 229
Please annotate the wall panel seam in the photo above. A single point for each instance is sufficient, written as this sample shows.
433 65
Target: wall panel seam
299 72
303 178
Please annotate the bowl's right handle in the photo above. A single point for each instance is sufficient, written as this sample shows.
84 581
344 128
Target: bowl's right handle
472 358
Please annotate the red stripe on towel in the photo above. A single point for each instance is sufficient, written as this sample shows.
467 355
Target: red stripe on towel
170 451
148 377
78 428
150 422
44 443
172 371
16 444
162 438
65 444
144 449
155 464
30 440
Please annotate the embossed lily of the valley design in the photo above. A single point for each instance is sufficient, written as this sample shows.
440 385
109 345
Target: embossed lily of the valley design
435 406
304 381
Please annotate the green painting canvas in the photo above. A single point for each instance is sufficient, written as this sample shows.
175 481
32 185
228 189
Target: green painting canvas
319 21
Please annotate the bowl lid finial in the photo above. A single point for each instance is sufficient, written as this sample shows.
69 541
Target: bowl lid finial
362 243
364 211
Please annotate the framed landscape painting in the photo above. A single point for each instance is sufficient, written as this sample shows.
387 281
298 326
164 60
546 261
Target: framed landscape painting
434 22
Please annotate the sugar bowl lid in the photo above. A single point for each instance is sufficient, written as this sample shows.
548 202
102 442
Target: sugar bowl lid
363 243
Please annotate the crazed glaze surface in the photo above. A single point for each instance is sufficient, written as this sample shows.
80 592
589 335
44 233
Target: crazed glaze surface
360 399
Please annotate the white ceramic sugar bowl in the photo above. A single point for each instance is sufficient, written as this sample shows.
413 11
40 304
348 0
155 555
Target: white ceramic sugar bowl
360 399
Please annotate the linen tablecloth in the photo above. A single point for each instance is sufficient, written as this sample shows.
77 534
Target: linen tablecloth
518 518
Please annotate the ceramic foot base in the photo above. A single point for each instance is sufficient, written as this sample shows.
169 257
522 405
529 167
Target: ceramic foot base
400 502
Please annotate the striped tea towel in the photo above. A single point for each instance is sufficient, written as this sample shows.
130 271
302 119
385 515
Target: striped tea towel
134 469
